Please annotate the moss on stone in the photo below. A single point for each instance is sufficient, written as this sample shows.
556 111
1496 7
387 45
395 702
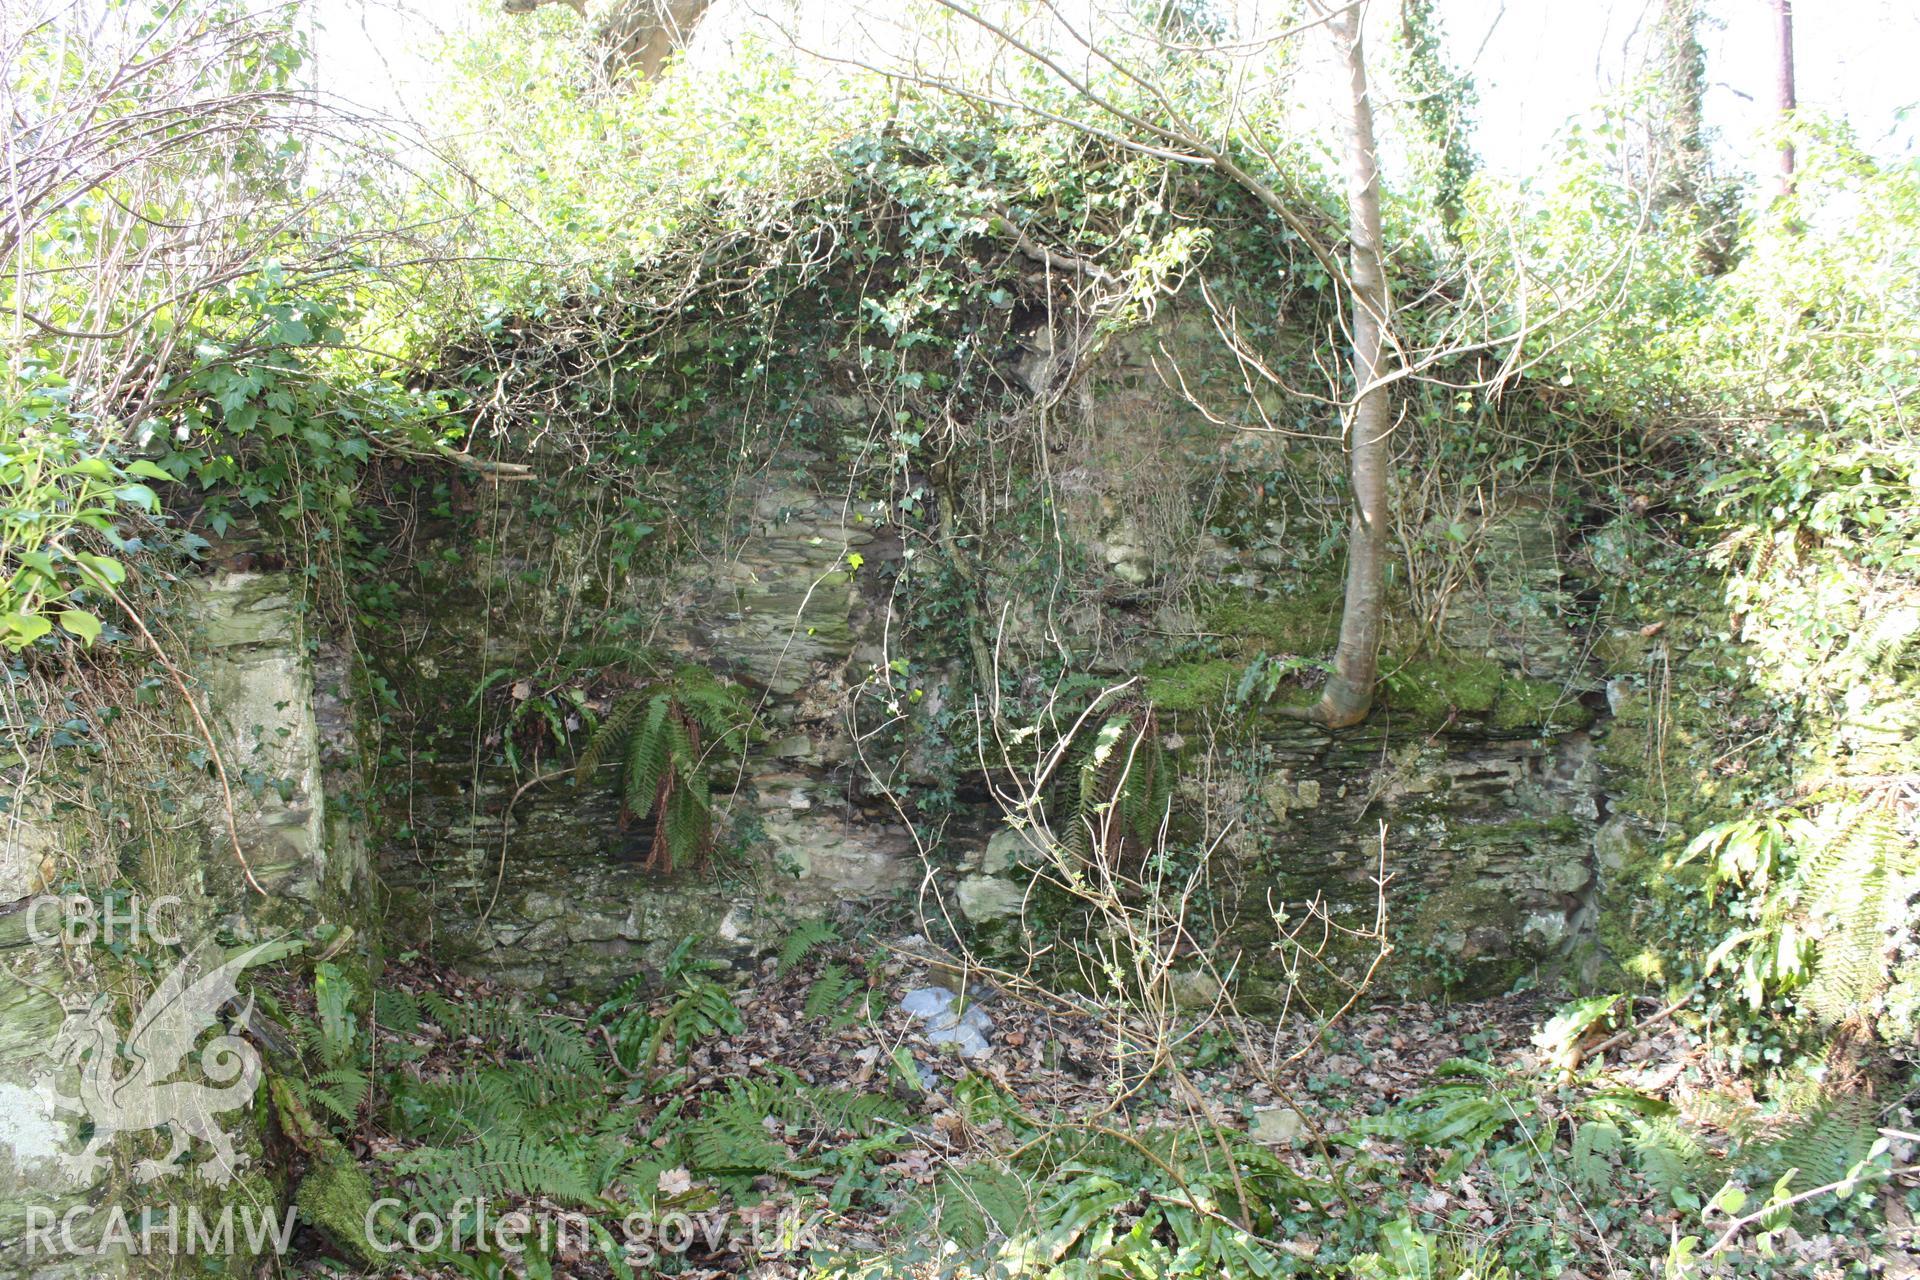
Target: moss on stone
1525 703
336 1199
1559 826
1436 689
1307 623
1662 773
1191 686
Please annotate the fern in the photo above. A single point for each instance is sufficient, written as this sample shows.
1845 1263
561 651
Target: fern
702 1009
972 1204
443 1111
696 1009
803 939
1847 885
1670 1159
1825 1144
733 1139
1176 1184
1461 1116
549 1042
1119 787
1413 1254
628 1026
1593 1143
657 731
333 997
396 1010
511 1167
1823 926
1881 643
332 1041
831 994
341 1091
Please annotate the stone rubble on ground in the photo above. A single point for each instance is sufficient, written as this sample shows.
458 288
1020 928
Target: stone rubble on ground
1282 1126
968 1028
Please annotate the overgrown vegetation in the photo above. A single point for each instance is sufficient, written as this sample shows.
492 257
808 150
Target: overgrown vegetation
559 359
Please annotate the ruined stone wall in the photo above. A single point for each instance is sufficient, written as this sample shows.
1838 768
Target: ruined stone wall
551 891
1485 768
1488 763
281 717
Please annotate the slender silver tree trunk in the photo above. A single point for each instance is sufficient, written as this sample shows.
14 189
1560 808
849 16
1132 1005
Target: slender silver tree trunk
1348 694
1783 10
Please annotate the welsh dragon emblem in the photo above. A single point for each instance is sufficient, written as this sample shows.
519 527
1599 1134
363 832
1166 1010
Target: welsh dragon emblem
125 1086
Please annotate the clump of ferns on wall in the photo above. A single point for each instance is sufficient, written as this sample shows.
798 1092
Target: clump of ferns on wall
661 735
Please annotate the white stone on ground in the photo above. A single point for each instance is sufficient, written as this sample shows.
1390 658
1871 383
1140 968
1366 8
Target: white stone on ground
967 1028
927 1002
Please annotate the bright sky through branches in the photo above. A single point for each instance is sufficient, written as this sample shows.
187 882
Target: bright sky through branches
1535 63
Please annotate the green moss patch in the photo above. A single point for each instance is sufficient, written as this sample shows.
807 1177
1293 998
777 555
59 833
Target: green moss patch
1306 623
336 1199
1438 690
1191 686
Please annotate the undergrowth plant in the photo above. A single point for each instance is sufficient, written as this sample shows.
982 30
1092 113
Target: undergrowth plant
661 733
1821 890
1111 1198
691 1007
1601 1141
1117 787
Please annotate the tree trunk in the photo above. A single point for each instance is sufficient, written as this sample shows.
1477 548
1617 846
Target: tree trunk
1348 694
1784 10
1680 139
636 37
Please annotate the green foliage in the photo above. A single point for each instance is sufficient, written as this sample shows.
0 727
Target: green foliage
1461 1116
528 1109
833 995
1824 1145
334 996
694 1008
336 1081
1117 786
59 508
158 182
1268 674
972 1204
1442 100
1854 885
803 938
1413 1254
509 1024
1590 1164
659 733
1668 1157
1789 365
1821 892
1159 1201
1186 1201
500 1166
775 1124
1481 1112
